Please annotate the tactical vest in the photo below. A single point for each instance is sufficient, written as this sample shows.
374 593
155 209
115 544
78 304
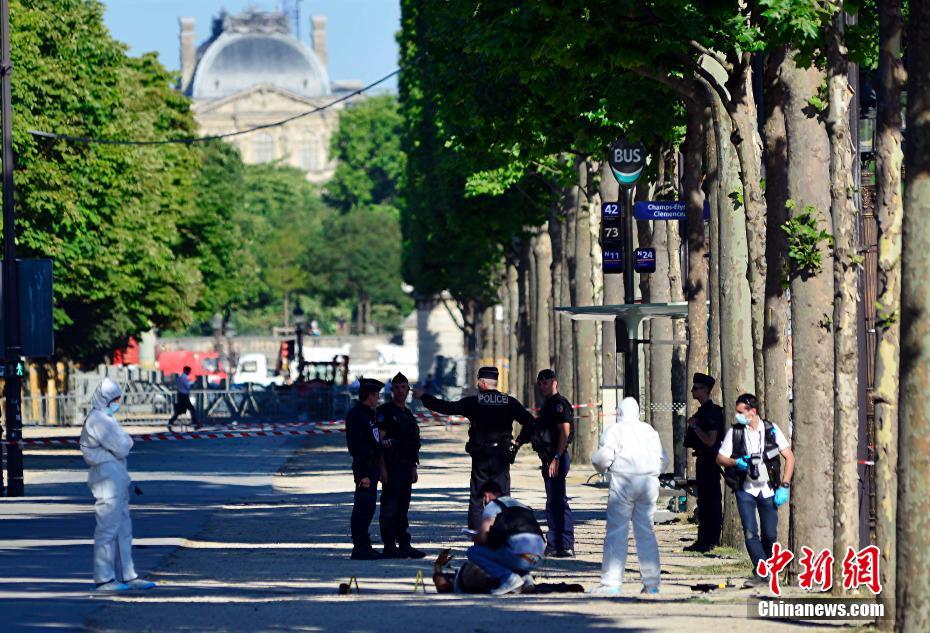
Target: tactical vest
734 477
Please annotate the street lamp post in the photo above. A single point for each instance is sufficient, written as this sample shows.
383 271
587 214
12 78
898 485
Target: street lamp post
230 351
12 390
217 324
299 328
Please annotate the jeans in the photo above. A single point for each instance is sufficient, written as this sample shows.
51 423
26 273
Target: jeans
501 562
768 515
558 513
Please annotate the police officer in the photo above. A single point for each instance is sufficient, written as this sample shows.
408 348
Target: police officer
364 440
704 434
550 436
400 442
490 438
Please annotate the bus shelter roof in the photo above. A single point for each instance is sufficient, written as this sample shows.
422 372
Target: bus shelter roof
626 312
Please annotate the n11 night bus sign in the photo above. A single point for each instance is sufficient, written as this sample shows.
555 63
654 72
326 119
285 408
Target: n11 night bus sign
664 210
612 260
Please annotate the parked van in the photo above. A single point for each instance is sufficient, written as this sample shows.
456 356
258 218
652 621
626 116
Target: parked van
253 369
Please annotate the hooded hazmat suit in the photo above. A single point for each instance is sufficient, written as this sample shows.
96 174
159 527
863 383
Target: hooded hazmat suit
632 452
105 446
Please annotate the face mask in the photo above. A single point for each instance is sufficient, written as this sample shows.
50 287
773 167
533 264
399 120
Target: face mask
741 419
113 408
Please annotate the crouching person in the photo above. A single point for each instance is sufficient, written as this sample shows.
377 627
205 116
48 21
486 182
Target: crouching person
509 543
631 450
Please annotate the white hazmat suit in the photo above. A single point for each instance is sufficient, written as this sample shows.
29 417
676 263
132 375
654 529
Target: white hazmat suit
105 446
632 451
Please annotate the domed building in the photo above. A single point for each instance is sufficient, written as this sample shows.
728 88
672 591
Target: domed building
253 71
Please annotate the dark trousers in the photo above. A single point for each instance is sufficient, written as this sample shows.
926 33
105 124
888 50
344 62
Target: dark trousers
558 513
487 464
181 406
747 505
363 507
710 501
395 504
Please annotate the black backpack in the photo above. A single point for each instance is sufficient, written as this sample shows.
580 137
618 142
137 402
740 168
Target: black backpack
510 521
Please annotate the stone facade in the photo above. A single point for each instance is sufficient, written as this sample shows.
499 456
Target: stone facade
252 71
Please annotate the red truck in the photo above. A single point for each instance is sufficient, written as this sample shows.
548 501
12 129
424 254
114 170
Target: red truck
201 364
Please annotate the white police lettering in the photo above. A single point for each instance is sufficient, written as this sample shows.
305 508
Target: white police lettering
492 398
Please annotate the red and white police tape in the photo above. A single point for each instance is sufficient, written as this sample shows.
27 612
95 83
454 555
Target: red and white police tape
222 435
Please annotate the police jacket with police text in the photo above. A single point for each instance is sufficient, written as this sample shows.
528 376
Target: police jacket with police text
363 437
491 414
398 425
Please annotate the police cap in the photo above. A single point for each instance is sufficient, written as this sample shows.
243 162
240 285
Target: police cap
490 373
545 374
704 380
399 379
371 383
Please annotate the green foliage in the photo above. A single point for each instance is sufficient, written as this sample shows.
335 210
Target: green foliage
736 197
213 233
107 215
368 148
798 23
804 244
281 215
885 318
356 256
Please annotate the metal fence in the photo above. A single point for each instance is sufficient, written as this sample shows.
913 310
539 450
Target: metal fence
151 403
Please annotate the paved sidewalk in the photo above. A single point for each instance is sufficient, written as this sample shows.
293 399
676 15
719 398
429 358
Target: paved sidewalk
46 538
274 563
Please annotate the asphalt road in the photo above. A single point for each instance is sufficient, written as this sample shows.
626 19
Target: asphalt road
46 538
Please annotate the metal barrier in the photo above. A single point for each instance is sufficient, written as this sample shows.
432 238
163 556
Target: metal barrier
145 402
303 403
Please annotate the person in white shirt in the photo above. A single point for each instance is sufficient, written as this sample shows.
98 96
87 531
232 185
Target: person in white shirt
105 447
632 451
750 454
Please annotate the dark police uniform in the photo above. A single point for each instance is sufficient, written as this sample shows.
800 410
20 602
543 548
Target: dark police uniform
398 425
491 414
710 502
363 440
556 410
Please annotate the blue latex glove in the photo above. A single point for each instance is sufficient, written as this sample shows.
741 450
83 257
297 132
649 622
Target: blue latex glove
781 496
743 463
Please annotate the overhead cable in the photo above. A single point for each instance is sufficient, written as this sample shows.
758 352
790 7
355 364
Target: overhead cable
214 137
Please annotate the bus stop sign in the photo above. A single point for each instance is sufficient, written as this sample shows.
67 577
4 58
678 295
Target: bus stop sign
627 161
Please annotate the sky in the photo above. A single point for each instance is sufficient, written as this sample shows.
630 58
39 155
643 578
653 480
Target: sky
360 34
